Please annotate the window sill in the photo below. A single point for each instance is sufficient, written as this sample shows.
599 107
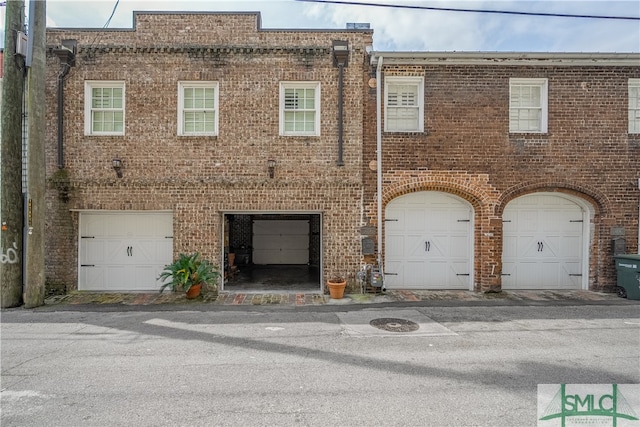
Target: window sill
407 133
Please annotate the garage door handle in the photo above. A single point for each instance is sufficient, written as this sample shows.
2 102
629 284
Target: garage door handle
427 246
540 246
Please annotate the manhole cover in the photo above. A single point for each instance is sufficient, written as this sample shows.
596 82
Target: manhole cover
394 325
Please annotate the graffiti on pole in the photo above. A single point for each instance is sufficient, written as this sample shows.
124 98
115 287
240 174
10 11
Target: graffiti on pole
11 256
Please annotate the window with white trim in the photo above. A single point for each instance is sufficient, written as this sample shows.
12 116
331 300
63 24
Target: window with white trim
104 108
404 104
300 108
528 105
198 108
634 105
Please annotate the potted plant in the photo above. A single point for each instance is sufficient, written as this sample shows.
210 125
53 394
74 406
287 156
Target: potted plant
337 285
188 273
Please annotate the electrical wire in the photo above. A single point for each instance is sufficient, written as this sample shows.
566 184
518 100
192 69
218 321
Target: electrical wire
450 9
113 12
106 24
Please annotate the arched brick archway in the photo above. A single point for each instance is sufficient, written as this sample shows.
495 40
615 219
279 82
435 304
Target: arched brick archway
473 188
596 207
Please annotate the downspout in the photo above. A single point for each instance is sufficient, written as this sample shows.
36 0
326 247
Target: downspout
64 70
67 55
340 114
379 159
340 59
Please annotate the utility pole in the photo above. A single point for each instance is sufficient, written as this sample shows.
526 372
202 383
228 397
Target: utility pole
11 205
36 181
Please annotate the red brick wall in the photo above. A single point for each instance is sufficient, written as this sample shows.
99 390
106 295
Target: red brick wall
467 150
198 178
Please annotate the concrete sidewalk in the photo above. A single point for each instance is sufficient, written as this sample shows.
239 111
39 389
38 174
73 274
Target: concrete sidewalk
317 299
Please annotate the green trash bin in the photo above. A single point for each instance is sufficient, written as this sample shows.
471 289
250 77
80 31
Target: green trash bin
628 269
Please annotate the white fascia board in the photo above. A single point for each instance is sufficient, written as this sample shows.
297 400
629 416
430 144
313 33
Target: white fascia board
510 58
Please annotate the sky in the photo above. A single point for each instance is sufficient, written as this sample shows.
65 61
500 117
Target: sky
397 29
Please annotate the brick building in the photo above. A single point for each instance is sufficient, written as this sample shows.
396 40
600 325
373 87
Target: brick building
202 132
502 171
495 171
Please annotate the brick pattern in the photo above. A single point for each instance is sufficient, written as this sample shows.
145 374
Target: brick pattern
199 178
467 150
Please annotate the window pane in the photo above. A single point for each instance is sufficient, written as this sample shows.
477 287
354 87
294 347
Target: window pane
299 110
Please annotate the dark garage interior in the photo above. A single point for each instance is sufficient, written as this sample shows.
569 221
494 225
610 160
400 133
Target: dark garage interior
272 252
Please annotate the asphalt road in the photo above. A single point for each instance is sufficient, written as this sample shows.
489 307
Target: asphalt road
461 366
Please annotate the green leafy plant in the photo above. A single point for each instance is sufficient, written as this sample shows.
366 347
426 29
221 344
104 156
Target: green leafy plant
187 271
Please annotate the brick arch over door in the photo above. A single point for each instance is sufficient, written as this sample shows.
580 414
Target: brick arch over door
473 188
537 201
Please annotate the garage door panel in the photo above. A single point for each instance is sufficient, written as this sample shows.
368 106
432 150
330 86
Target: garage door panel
116 252
433 231
93 251
414 274
127 253
526 246
281 242
528 221
120 277
93 227
572 246
395 220
395 247
546 248
145 277
276 227
415 247
394 274
458 276
92 277
414 220
459 247
440 219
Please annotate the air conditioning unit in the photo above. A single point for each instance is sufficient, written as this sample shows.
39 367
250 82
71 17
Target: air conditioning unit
21 44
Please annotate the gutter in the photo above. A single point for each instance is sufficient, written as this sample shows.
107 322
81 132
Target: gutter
513 58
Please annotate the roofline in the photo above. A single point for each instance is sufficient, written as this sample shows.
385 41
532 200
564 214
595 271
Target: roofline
257 14
508 58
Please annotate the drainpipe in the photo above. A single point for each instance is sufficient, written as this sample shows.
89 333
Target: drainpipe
340 58
379 158
340 161
67 55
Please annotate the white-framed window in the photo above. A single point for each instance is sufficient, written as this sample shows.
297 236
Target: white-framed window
528 105
300 108
404 104
197 108
634 105
104 107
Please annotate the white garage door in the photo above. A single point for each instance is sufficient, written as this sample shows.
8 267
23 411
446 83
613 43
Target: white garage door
428 242
124 251
281 241
543 243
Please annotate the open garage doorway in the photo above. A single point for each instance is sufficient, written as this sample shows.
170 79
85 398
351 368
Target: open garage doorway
269 252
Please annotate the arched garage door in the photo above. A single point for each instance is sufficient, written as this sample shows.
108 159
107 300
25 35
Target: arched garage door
543 243
428 242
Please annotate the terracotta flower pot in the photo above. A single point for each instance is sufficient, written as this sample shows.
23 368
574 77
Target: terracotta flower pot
336 289
194 291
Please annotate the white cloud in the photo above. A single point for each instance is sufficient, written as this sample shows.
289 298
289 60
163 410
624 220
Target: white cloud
403 29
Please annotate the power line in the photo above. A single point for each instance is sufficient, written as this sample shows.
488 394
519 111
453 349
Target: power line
112 13
450 9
